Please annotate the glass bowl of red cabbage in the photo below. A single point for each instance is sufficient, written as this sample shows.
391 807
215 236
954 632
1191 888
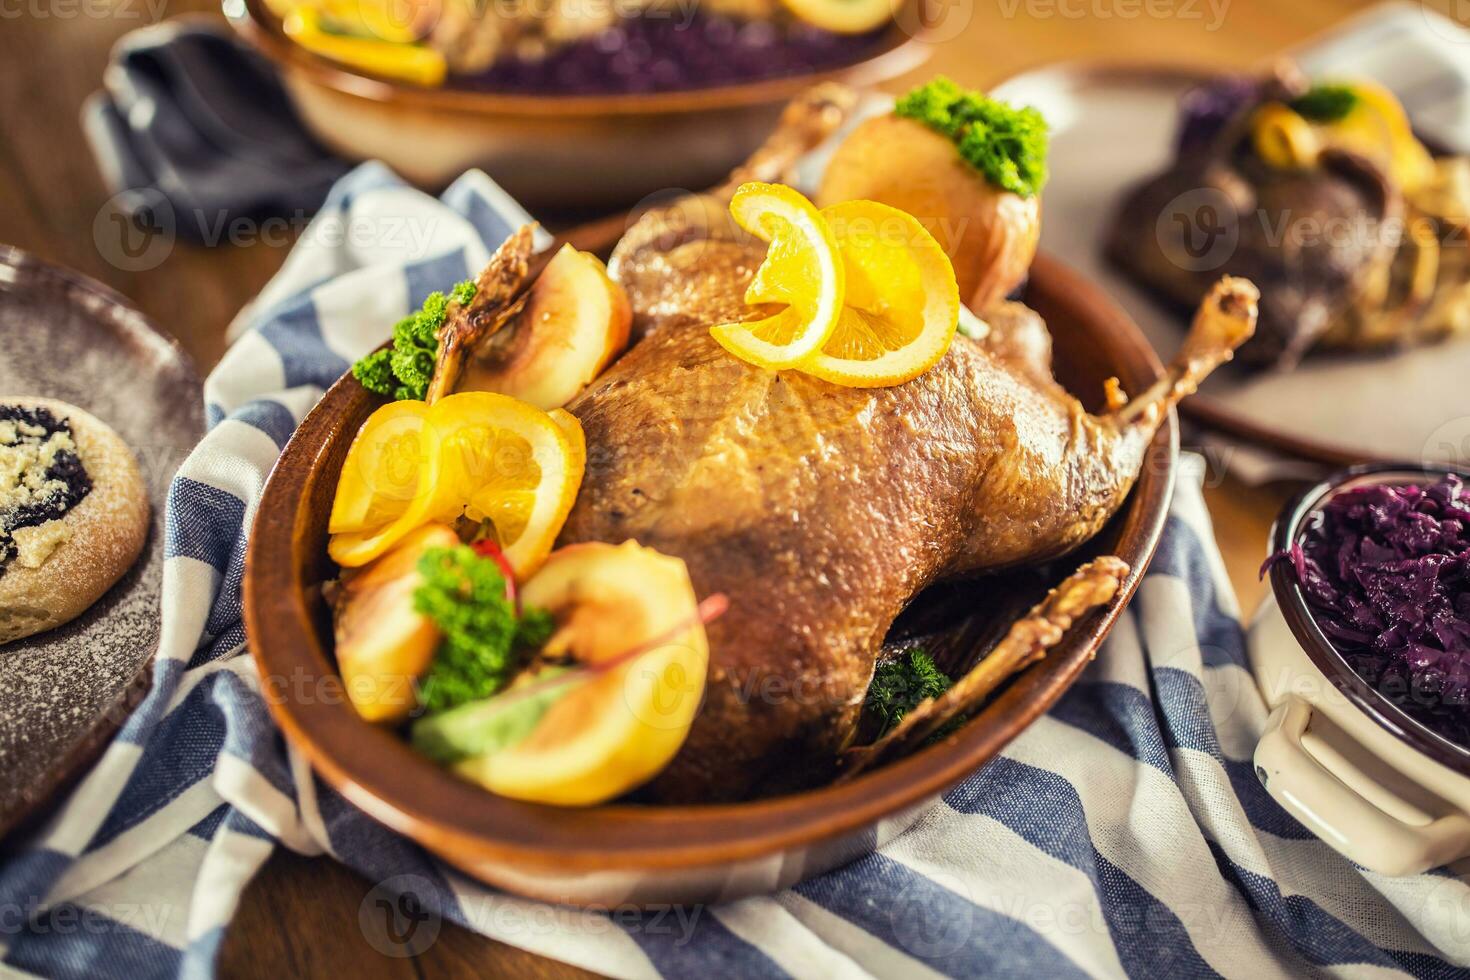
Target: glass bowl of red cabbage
1372 572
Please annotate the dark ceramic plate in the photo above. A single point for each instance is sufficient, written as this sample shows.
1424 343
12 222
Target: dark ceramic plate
63 693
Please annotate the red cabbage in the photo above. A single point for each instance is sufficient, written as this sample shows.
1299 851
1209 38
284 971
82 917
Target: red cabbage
1386 573
1206 109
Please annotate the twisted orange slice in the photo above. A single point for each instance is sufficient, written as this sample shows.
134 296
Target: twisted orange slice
802 272
901 305
871 298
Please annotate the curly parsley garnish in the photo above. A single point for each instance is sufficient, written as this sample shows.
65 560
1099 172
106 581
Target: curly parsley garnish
1325 103
403 370
465 595
1006 144
901 683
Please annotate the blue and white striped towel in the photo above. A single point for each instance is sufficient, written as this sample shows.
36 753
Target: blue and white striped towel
1124 833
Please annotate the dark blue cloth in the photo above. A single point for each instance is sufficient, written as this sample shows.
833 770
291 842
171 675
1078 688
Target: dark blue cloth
193 130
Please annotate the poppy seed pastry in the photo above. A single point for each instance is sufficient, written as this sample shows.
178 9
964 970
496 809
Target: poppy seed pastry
73 513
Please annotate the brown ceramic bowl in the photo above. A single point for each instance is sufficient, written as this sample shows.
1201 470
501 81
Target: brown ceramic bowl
623 852
567 152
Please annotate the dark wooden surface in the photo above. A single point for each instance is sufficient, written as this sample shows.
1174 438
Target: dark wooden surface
299 918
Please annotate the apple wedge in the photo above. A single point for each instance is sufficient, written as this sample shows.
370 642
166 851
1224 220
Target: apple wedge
612 729
576 320
383 645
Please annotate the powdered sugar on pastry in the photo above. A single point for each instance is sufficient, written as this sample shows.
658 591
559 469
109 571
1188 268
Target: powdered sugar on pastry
73 513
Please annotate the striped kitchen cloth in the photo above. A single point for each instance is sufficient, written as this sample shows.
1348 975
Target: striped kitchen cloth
1123 833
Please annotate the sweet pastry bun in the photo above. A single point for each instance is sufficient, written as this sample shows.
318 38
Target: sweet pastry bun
73 513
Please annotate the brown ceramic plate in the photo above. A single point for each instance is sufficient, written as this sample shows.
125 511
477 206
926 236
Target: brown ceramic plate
1398 406
552 151
63 693
631 853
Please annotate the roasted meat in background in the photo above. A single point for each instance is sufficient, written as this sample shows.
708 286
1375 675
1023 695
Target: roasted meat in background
1323 197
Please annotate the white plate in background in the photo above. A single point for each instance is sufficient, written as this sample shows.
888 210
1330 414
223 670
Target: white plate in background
1113 126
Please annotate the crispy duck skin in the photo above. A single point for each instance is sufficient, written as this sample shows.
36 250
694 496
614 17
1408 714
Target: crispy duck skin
500 292
822 510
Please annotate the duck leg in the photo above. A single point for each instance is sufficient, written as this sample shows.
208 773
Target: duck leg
1028 639
1062 472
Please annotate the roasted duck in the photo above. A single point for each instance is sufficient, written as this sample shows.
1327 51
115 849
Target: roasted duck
805 514
822 510
1324 197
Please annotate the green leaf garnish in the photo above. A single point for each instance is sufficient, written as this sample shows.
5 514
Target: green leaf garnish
1006 144
465 596
1325 103
403 369
901 683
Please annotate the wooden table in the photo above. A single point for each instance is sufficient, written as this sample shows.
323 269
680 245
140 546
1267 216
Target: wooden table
300 916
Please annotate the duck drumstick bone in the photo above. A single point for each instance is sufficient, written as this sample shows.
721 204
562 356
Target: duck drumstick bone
1091 586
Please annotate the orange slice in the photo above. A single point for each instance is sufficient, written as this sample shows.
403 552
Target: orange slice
901 304
380 476
801 272
490 458
512 464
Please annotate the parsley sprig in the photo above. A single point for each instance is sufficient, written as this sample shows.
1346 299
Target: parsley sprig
901 683
484 640
403 369
1006 144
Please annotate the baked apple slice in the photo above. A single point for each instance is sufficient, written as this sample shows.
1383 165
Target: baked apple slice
383 645
612 695
576 320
